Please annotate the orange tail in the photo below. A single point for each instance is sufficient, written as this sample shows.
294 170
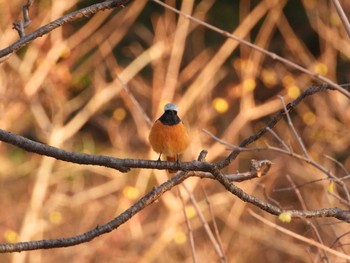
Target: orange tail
171 159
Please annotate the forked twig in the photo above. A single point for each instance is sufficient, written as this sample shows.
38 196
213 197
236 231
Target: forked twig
285 146
20 25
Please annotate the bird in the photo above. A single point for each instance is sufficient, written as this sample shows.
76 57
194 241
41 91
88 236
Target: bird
168 135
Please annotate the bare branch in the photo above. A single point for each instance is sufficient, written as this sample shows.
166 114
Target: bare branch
260 168
290 106
250 175
336 212
21 25
123 165
81 13
99 230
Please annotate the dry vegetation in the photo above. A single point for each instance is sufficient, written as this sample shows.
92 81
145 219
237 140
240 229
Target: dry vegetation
94 85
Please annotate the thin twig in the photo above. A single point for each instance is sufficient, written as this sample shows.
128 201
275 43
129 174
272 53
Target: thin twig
330 175
241 176
223 142
269 198
304 206
338 163
341 180
189 229
295 133
206 225
134 100
216 229
282 189
299 237
342 16
338 238
76 15
279 139
340 199
201 158
290 106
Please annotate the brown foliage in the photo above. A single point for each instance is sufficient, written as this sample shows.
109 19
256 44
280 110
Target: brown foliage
92 86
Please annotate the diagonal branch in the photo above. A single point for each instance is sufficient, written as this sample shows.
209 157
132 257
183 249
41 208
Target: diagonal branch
81 13
142 203
343 215
294 131
276 118
342 16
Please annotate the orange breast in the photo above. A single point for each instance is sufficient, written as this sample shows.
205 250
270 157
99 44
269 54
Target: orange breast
168 140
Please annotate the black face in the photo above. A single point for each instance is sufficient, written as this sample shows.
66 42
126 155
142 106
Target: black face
170 117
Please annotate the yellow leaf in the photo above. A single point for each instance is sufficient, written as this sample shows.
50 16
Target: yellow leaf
10 236
269 77
190 211
249 85
131 193
55 217
288 80
309 118
285 217
180 237
293 91
119 114
321 69
331 187
334 19
220 105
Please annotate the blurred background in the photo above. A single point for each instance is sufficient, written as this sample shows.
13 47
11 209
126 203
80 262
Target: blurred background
96 85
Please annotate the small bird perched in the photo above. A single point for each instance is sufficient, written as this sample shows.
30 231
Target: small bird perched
168 134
